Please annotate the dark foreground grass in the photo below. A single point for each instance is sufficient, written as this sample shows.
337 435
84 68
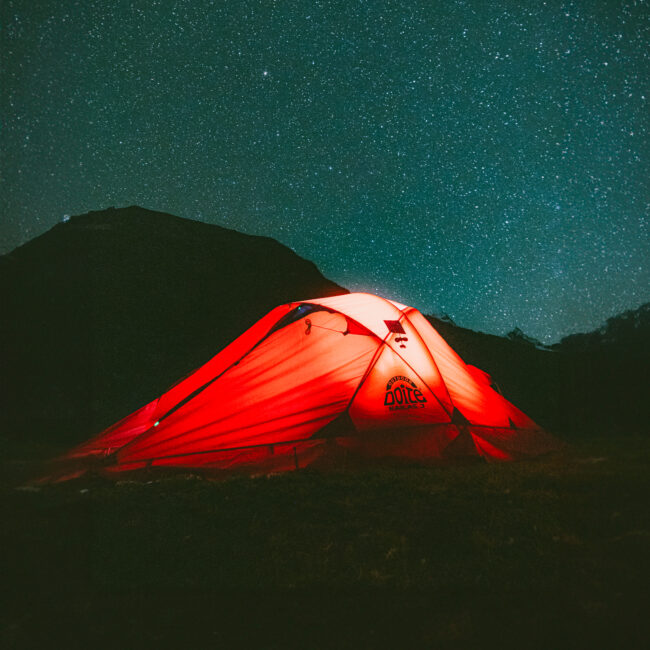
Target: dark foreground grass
545 554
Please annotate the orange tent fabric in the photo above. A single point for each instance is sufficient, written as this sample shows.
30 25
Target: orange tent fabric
348 374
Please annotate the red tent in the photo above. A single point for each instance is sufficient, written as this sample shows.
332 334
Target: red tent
353 374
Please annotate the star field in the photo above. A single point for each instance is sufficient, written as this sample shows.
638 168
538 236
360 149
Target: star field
484 160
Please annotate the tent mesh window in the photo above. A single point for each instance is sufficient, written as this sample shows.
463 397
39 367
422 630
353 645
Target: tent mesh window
296 314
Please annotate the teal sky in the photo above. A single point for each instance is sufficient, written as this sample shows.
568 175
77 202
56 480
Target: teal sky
484 160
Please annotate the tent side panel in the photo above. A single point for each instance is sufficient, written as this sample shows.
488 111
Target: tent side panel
221 361
264 458
476 400
291 385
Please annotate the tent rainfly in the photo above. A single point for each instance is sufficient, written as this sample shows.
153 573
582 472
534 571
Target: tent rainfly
353 375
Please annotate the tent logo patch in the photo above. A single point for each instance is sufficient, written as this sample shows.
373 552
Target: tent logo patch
402 393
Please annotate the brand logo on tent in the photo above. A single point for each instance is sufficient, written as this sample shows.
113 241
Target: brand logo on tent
402 393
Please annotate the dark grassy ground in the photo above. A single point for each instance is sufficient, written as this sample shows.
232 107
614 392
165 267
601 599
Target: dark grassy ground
546 554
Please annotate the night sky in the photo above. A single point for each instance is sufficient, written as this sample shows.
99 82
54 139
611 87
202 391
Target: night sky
487 160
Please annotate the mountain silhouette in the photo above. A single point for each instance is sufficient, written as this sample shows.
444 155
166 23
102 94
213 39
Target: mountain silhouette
105 311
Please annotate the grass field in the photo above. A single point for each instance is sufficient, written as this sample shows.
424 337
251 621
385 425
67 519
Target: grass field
545 554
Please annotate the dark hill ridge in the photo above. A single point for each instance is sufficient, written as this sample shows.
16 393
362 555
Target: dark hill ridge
106 310
631 329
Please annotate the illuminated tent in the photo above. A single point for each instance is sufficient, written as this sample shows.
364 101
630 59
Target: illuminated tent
354 375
